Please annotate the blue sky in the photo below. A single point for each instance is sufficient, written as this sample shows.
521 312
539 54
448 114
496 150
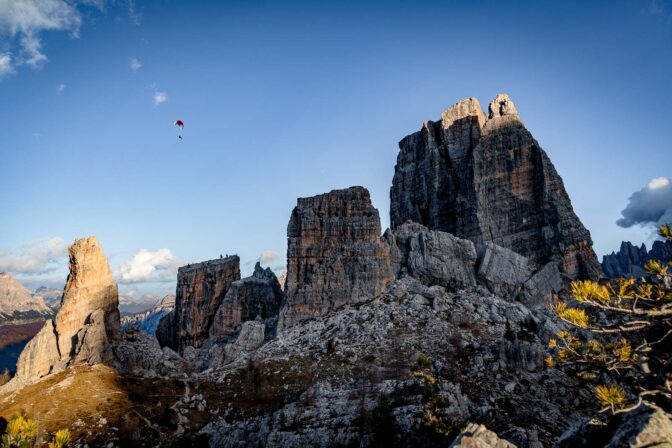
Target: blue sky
290 99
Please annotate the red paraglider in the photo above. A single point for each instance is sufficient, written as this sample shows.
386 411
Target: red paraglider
179 124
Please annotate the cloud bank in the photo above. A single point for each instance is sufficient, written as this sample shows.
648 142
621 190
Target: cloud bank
147 266
36 257
650 206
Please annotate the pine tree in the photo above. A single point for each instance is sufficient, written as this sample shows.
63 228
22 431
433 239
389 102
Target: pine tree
621 338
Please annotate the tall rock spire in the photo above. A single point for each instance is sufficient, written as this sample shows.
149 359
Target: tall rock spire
489 180
87 322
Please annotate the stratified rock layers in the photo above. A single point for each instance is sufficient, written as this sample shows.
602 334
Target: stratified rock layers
201 289
335 254
488 180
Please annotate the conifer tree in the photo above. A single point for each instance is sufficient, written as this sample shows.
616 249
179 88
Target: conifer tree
621 336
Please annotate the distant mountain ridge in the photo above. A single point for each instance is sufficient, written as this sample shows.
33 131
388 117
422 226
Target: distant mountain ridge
17 305
148 320
629 261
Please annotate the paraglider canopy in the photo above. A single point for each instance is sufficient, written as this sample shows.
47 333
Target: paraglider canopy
179 123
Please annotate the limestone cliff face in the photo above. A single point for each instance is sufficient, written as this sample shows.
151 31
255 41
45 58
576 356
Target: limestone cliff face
488 180
86 324
201 289
89 287
335 254
257 296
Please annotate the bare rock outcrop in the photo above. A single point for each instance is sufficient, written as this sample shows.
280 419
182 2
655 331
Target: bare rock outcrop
259 295
335 254
478 436
488 180
502 270
40 354
251 337
646 426
432 256
201 289
89 287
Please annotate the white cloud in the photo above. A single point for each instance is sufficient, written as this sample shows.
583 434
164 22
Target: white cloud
31 51
5 64
159 97
146 266
60 88
36 257
26 19
268 256
652 205
135 64
22 22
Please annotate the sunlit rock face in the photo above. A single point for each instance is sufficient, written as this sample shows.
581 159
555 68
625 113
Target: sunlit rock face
87 322
40 354
201 289
486 178
335 254
89 287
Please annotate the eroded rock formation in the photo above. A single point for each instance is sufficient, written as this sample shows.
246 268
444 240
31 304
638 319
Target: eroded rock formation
201 289
335 254
259 295
488 180
89 287
87 322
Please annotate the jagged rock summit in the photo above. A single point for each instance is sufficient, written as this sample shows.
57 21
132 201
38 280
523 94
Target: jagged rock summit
87 322
485 178
629 261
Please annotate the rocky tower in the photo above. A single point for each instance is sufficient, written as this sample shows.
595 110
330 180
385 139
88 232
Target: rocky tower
201 289
89 287
488 180
335 254
87 322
